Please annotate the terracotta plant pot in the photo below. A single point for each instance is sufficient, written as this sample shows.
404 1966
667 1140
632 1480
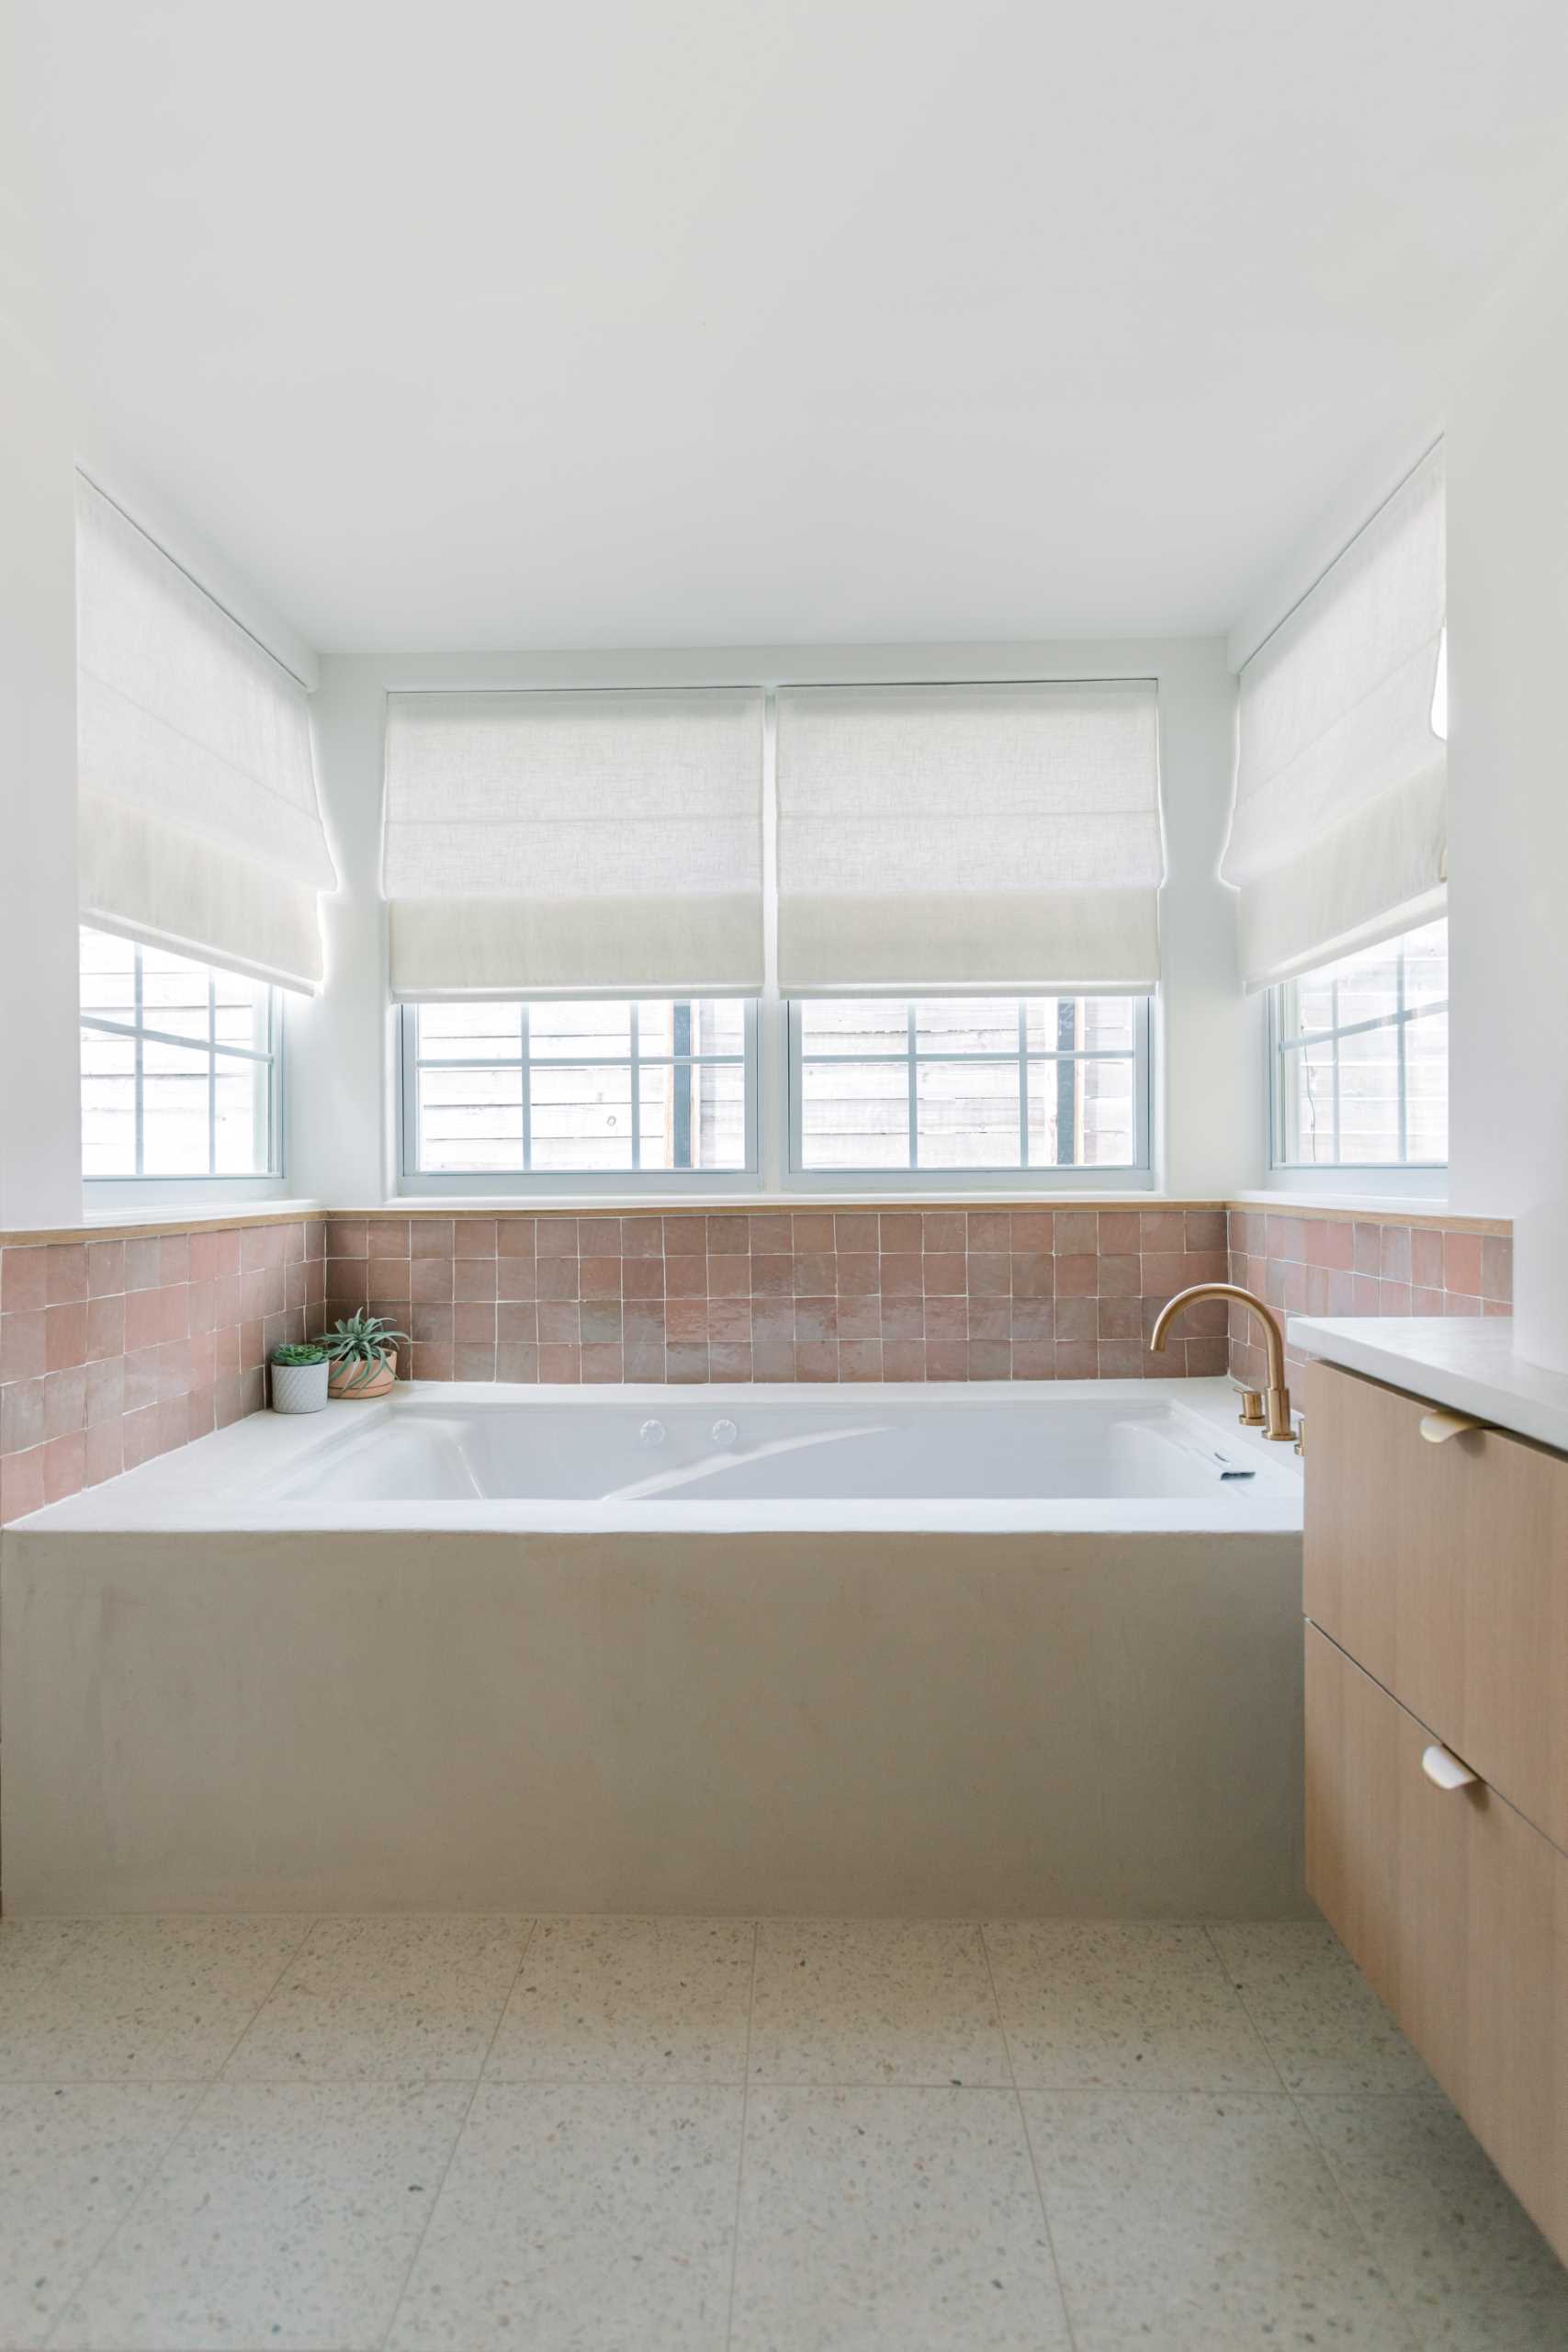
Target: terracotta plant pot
351 1381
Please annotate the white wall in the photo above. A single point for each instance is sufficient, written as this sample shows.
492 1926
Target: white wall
1507 525
41 1150
1210 1072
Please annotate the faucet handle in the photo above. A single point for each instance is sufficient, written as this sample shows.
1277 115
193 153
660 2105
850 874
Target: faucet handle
1251 1415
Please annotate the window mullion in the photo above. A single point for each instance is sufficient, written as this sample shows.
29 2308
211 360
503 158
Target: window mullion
527 1068
637 1092
914 1098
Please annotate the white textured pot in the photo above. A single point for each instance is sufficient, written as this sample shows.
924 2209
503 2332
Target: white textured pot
300 1387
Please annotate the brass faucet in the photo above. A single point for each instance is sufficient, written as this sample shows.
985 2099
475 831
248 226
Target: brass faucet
1270 1413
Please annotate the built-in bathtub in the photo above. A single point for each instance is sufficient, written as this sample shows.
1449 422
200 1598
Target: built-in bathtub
941 1650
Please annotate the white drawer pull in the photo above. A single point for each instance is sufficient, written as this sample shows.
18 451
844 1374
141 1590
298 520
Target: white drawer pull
1445 1771
1436 1426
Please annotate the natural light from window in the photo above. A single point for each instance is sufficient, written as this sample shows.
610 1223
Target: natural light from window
1361 1059
179 1065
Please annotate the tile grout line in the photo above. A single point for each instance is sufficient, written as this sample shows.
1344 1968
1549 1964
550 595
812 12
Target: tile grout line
204 2088
1029 2143
1241 2001
740 2151
386 2335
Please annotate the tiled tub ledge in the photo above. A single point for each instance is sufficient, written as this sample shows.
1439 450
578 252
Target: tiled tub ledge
118 1346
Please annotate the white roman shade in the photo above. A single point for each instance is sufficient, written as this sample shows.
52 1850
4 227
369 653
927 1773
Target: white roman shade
198 822
595 843
1340 831
969 839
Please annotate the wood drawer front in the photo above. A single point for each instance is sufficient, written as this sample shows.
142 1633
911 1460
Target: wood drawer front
1444 1570
1457 1911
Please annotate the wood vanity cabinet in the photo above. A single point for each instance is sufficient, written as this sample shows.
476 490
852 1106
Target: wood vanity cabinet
1436 1606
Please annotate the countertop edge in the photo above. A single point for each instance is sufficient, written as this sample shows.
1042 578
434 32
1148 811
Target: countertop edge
1465 1363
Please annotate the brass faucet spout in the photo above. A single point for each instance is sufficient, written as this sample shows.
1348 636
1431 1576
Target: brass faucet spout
1276 1414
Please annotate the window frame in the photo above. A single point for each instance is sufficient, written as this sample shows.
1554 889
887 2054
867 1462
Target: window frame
111 1189
1415 1176
523 1183
1129 1176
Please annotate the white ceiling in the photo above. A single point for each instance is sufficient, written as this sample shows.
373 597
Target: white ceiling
664 321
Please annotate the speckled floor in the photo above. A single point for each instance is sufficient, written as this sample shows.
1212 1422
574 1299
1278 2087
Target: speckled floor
801 2136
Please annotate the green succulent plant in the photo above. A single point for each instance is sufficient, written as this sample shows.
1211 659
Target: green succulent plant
300 1352
366 1341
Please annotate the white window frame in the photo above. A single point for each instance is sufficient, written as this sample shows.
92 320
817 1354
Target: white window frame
661 1183
107 1192
1135 1175
1421 1177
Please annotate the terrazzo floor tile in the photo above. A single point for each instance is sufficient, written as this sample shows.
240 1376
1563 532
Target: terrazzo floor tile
581 2215
394 1999
1323 2025
1202 2221
630 2001
1124 2006
891 2221
284 2218
72 2160
875 2001
1464 2259
120 2000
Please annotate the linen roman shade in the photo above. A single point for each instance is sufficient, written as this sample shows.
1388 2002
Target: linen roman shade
198 823
1339 836
969 839
600 843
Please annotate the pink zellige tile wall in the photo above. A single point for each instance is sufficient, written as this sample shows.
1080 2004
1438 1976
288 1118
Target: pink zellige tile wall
114 1351
813 1295
1343 1265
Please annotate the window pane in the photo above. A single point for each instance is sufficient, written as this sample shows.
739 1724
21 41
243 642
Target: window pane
692 1117
581 1117
568 1032
853 1025
966 1025
239 1117
470 1119
201 1114
705 1025
175 994
854 1115
1109 1134
109 1105
176 1104
461 1033
1379 1023
968 1114
109 978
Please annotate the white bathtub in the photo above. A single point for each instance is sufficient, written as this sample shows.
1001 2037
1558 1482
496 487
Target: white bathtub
955 1650
1080 1455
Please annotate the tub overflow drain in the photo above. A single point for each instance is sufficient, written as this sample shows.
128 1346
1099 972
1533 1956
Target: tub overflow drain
725 1433
652 1433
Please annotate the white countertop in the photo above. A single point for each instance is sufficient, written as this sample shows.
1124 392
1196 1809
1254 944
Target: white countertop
1465 1361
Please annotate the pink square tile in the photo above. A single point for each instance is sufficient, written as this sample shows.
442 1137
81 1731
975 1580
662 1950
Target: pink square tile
729 1277
686 1318
514 1236
685 1236
1286 1237
817 1360
687 1277
1122 1360
903 1318
812 1233
474 1323
644 1277
430 1281
772 1236
347 1237
602 1363
1119 1277
772 1276
560 1323
854 1231
1119 1319
516 1325
1206 1358
643 1362
260 1246
516 1277
1078 1233
1496 1268
22 1415
24 1280
990 1233
1077 1319
1461 1263
1031 1318
1077 1360
476 1278
860 1317
103 1453
1034 1274
387 1277
429 1360
1032 1229
1460 1302
686 1361
1395 1266
174 1259
1426 1258
1394 1298
106 1329
815 1275
598 1237
990 1273
730 1237
946 1273
1077 1277
859 1360
428 1236
948 1318
989 1319
728 1320
773 1319
1206 1229
65 1272
472 1237
518 1362
989 1359
1162 1230
903 1360
902 1275
944 1231
1034 1359
1164 1273
773 1360
1426 1302
64 1466
142 1260
599 1277
1365 1295
902 1233
642 1236
475 1360
947 1359
65 1337
860 1273
1119 1233
64 1402
816 1320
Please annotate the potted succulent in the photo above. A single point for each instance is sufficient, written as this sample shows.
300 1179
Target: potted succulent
299 1377
363 1351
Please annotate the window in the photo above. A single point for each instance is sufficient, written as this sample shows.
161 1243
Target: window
179 1067
1361 1059
944 1085
554 1088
